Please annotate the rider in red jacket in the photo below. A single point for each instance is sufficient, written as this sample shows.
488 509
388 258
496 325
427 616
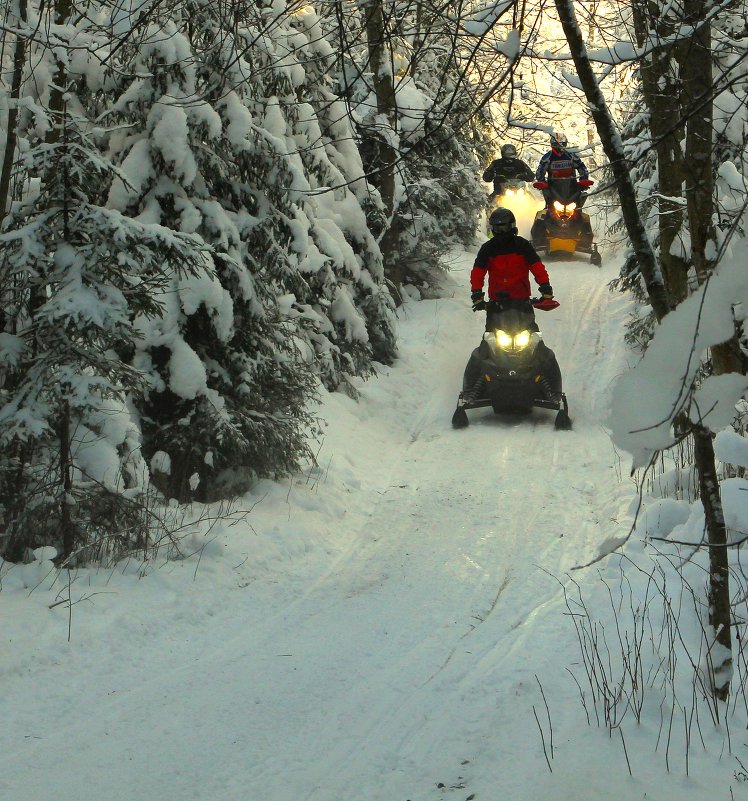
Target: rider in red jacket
508 259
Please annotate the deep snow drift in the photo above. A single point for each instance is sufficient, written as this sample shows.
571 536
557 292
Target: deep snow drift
389 625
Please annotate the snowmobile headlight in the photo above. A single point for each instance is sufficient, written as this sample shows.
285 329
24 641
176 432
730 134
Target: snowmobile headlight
558 206
503 340
571 207
513 343
509 192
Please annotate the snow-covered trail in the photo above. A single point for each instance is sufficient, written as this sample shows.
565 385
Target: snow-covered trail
375 633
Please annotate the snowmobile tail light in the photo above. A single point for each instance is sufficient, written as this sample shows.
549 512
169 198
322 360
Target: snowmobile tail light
558 206
503 340
522 340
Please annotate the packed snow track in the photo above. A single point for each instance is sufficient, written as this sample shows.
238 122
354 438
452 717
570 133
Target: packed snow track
378 629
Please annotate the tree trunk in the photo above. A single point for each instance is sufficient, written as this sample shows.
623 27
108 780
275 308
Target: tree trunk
696 75
611 142
661 94
590 122
719 573
60 79
66 480
384 90
19 60
57 108
695 58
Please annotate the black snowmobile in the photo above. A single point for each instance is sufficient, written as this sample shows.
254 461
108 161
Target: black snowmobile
512 369
562 226
510 187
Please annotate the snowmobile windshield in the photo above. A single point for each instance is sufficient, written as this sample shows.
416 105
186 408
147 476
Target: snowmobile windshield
565 190
514 186
565 197
512 335
512 320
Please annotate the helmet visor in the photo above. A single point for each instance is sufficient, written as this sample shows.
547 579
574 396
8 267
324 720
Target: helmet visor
502 228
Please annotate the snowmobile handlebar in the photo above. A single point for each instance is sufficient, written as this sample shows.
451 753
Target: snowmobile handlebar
584 183
544 304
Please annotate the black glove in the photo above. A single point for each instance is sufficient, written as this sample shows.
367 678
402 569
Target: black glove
479 301
546 291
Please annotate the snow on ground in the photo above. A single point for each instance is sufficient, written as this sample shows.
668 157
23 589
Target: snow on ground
384 627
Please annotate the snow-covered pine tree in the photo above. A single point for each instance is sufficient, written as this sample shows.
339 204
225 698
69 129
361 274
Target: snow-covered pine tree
442 167
331 275
340 197
437 194
75 275
227 386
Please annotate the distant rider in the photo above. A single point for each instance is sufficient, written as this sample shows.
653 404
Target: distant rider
560 163
508 259
508 167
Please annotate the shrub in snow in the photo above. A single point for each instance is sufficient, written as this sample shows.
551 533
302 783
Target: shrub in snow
39 570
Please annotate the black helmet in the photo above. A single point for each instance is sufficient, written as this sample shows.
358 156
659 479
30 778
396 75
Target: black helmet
502 221
508 152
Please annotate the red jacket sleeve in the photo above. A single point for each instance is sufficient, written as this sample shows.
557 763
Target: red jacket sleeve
478 273
540 273
477 277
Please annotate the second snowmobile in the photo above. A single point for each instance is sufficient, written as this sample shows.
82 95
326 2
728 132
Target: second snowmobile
512 187
562 227
514 190
513 370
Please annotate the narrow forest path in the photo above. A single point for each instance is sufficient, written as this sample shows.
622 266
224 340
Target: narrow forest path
378 630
